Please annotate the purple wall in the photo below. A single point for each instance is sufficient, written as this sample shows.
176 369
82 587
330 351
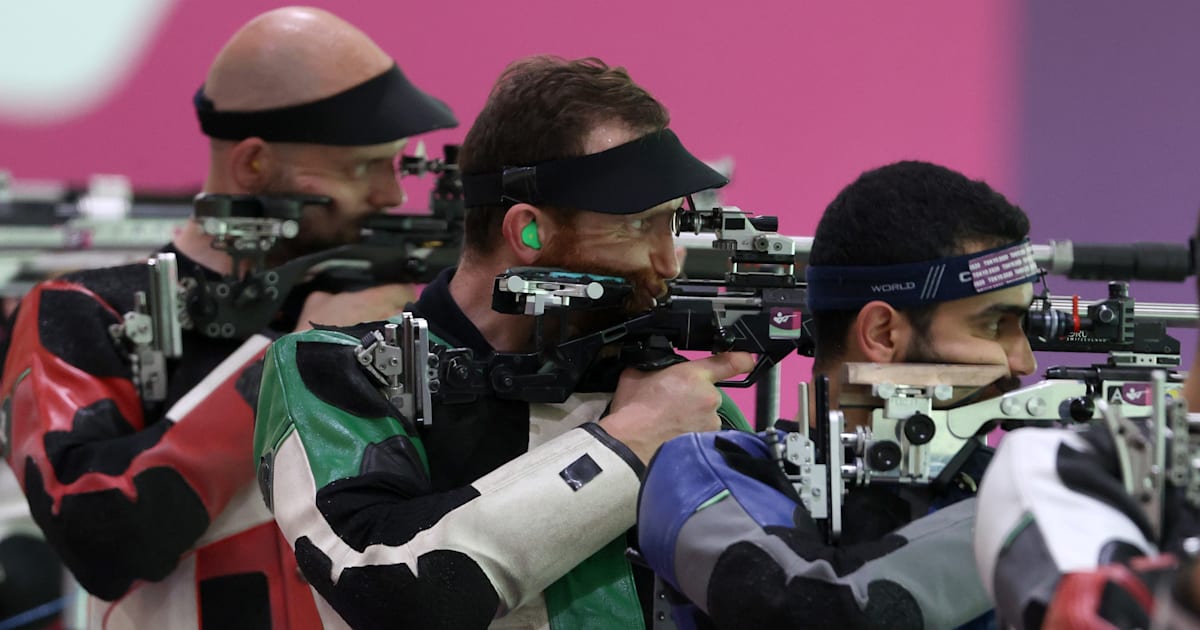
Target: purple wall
1110 131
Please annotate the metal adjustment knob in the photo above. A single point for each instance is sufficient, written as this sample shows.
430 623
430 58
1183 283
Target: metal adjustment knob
1082 409
883 456
919 428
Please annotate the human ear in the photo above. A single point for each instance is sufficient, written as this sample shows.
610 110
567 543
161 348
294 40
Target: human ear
524 233
881 332
250 163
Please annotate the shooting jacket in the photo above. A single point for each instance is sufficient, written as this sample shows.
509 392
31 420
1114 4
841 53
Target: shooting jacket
152 507
737 542
501 514
1054 503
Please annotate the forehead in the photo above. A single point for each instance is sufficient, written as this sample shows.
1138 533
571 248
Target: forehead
602 218
608 135
1008 299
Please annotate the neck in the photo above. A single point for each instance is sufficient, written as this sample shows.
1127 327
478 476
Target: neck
191 240
472 288
195 244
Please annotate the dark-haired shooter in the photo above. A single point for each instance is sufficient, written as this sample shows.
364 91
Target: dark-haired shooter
899 273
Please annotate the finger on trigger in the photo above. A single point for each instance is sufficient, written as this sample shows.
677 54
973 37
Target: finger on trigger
726 365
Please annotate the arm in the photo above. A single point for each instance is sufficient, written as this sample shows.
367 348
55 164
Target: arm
718 525
350 490
731 416
119 497
1052 503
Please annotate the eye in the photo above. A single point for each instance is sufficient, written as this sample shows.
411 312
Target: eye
637 224
991 327
361 168
1010 325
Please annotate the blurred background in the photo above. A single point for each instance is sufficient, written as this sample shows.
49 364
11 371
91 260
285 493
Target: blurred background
1083 114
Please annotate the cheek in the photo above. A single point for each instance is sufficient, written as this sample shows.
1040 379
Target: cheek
628 254
347 195
971 350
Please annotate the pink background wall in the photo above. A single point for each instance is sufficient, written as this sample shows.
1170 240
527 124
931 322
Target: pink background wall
803 95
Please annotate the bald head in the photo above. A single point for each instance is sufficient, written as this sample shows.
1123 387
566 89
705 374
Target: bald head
290 56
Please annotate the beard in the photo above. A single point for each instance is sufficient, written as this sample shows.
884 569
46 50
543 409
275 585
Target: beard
566 252
921 351
321 226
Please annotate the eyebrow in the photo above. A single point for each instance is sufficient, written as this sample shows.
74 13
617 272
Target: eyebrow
380 152
1001 309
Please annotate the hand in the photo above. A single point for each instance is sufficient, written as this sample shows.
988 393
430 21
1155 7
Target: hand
352 307
650 408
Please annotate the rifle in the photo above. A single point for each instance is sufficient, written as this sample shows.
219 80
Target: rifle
51 229
107 226
924 425
1167 262
757 307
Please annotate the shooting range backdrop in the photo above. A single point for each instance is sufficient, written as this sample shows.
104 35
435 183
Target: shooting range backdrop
1084 114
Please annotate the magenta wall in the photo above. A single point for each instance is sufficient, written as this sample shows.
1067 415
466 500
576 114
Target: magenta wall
803 95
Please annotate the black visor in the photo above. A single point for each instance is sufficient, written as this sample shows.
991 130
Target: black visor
383 109
626 179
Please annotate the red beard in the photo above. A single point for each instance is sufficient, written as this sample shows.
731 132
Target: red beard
566 252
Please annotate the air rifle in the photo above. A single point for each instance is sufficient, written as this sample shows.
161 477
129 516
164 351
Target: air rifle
925 421
757 307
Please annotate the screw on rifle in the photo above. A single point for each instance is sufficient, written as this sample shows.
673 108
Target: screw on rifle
460 372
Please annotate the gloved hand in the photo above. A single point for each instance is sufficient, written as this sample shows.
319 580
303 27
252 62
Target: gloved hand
1109 597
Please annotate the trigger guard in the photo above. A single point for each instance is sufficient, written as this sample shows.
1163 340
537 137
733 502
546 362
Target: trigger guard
763 363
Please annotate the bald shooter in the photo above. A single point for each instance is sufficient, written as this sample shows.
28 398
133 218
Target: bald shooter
291 56
306 76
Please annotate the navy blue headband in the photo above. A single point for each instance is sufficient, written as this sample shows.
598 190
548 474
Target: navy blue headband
625 179
920 283
382 109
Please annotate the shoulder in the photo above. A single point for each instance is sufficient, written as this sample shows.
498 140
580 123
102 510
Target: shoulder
322 363
115 286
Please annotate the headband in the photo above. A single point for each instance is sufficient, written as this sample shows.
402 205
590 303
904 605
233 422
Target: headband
382 109
626 179
920 283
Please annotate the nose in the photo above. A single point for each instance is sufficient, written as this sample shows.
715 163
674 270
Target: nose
1021 361
662 252
385 190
